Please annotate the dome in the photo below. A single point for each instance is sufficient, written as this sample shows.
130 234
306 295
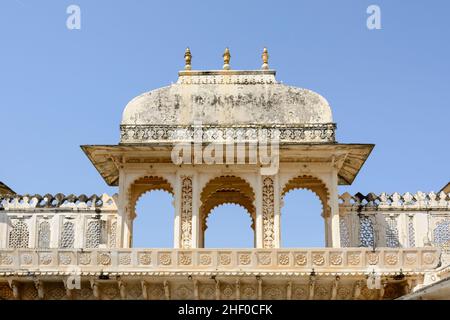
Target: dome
227 98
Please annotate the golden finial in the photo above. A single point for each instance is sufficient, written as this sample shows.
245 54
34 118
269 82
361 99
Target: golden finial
265 59
226 59
187 59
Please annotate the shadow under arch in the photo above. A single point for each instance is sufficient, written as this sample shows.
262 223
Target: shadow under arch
227 189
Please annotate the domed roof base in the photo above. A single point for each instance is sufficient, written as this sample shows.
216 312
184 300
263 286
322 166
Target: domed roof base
227 104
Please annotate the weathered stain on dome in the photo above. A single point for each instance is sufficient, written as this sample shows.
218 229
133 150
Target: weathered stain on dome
237 98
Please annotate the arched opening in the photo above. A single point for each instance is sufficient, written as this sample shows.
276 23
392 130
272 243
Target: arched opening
153 225
304 213
226 190
229 226
151 213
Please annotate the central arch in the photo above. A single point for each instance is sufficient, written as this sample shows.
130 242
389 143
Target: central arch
225 190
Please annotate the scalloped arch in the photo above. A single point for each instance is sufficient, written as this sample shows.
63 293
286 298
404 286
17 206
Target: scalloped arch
226 189
141 186
311 183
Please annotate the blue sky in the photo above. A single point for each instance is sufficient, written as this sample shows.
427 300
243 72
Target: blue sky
62 88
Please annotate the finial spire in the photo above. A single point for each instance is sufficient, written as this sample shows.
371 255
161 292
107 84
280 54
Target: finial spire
265 59
226 59
187 59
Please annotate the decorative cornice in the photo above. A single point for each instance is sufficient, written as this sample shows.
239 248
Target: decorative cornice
310 133
328 260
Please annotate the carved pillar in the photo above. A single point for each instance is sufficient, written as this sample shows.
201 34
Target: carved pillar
69 289
334 211
15 287
95 289
357 290
195 207
260 293
196 295
184 237
144 290
122 290
269 234
166 289
125 224
217 286
334 288
40 289
259 224
312 287
238 290
289 291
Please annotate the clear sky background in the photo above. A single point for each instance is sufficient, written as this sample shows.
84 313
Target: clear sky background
62 88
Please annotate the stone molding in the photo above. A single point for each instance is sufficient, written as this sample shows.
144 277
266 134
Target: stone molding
220 260
319 133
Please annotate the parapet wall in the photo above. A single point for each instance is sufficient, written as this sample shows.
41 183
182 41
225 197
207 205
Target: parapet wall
60 221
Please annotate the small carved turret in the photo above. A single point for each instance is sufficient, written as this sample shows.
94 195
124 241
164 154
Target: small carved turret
226 59
265 59
187 59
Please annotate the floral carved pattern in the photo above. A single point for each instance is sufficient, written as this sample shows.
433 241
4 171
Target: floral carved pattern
249 292
300 292
45 259
205 259
318 259
244 259
391 259
208 292
125 259
336 259
104 259
64 258
186 213
85 258
185 259
372 258
268 212
228 292
354 259
225 259
273 293
6 259
264 259
321 292
165 259
300 259
410 258
343 292
429 258
145 259
283 259
27 258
